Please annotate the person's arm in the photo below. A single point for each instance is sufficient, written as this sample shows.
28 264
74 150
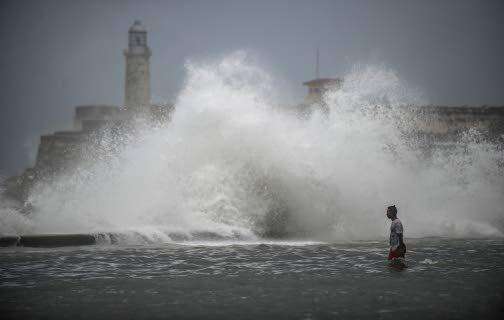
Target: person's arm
400 235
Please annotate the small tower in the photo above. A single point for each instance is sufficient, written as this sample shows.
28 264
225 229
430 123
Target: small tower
137 82
318 87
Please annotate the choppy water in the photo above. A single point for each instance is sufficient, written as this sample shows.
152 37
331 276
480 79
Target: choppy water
445 279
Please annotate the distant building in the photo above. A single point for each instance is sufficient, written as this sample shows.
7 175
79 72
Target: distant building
320 86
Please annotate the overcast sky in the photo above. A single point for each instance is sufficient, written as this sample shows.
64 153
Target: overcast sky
58 54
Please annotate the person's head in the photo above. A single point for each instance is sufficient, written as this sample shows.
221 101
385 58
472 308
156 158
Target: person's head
391 212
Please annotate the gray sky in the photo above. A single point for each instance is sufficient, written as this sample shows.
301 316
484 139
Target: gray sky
59 54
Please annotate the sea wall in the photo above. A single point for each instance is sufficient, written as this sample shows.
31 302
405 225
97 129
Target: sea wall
57 151
48 240
447 122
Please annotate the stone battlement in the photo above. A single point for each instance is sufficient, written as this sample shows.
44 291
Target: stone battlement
442 120
95 112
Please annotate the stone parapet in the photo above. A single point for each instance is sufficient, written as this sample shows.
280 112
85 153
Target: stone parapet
95 112
451 120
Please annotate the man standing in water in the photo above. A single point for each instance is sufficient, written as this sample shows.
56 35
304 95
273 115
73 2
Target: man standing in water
397 246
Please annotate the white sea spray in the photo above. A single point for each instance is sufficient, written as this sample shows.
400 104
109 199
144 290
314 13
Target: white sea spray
232 163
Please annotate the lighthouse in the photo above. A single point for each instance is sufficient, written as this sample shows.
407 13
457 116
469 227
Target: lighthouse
137 80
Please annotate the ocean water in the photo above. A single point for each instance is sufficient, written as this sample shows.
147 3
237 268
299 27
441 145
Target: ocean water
446 279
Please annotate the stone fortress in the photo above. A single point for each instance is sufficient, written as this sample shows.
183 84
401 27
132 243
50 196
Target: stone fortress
63 149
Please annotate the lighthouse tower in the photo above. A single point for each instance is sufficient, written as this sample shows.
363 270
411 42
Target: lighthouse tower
137 86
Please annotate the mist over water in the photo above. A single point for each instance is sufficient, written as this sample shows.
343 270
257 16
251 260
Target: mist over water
235 162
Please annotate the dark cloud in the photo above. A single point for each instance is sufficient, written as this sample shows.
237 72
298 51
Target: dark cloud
58 54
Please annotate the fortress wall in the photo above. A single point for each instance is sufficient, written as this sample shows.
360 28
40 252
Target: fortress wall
162 113
440 120
95 125
95 112
63 149
58 151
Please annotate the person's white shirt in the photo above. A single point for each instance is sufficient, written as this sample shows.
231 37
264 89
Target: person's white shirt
396 228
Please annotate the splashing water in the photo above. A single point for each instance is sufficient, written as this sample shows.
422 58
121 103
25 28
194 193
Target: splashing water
233 163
